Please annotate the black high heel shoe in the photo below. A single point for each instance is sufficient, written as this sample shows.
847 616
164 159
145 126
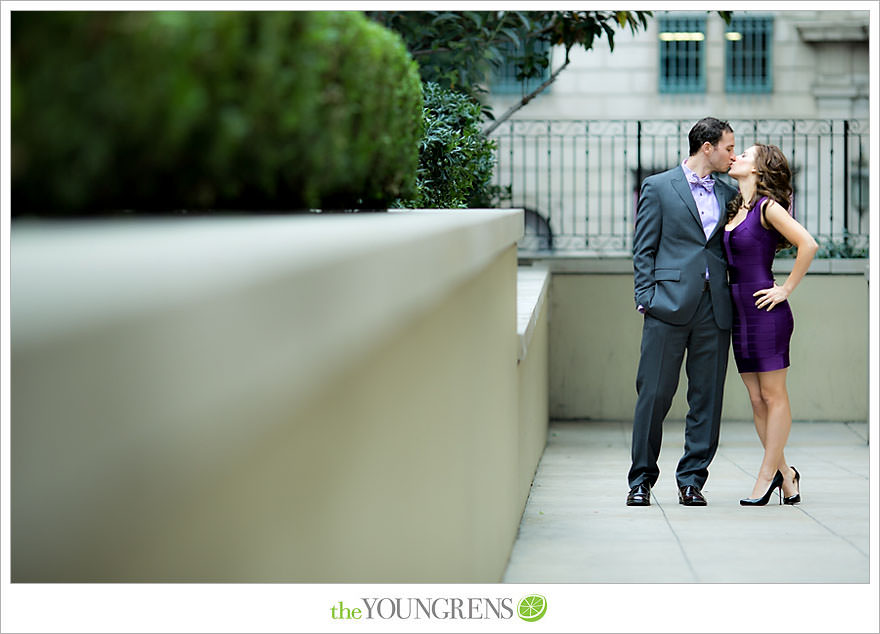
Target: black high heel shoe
761 501
796 498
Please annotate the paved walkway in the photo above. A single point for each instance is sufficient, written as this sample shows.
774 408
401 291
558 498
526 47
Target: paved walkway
576 527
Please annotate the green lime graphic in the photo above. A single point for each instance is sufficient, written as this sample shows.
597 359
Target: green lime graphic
532 607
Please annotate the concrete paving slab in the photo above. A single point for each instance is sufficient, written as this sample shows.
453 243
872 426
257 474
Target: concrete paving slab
576 527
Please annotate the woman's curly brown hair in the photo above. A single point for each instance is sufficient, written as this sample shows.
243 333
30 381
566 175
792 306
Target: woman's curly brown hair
774 181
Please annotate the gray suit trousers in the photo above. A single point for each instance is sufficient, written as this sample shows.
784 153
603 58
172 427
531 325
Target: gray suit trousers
662 352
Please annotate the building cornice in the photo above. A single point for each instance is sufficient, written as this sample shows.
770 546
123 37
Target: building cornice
825 31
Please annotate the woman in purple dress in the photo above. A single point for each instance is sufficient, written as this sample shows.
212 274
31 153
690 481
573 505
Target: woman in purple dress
758 225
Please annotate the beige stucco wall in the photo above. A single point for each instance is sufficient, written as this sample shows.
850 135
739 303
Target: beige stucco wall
309 400
402 469
534 407
595 335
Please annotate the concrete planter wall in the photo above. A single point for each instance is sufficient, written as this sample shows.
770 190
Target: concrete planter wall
296 399
595 334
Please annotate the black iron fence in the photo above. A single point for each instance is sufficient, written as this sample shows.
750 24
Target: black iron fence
579 180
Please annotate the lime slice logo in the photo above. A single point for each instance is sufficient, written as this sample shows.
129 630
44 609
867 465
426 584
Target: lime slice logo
532 607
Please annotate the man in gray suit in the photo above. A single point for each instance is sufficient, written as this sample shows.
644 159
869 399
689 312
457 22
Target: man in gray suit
680 276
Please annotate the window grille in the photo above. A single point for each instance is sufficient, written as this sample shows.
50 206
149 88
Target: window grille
504 81
749 67
682 54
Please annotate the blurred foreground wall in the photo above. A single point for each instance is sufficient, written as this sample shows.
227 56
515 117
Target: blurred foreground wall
296 399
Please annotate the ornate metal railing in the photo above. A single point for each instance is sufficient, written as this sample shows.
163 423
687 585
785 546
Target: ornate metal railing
579 180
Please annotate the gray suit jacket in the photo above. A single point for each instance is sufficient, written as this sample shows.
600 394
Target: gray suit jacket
671 252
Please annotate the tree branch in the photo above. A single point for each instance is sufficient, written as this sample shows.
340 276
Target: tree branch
430 51
522 102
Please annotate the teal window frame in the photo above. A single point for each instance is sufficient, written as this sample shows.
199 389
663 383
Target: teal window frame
682 40
504 81
749 55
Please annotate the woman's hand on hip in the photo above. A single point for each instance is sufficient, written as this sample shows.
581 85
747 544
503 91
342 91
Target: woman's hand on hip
770 297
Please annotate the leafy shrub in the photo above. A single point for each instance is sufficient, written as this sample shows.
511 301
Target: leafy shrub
849 246
455 158
161 111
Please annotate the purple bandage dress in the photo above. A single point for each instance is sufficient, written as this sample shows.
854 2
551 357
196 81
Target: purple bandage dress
760 338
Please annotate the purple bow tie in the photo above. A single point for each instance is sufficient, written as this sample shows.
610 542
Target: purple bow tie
707 182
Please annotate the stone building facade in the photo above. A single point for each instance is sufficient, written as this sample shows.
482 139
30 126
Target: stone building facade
575 156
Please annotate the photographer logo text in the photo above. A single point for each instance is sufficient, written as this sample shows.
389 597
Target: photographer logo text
530 608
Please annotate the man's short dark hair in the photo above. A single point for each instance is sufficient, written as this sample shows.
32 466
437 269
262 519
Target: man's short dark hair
708 130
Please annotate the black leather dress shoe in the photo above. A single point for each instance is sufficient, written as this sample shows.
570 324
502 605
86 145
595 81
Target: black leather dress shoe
690 496
639 495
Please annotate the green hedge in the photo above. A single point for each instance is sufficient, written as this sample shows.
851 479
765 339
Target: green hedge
455 157
244 111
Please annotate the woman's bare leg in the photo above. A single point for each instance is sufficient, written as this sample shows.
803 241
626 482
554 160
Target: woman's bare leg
760 413
776 429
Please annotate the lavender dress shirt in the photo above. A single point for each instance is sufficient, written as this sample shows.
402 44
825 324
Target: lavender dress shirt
705 199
